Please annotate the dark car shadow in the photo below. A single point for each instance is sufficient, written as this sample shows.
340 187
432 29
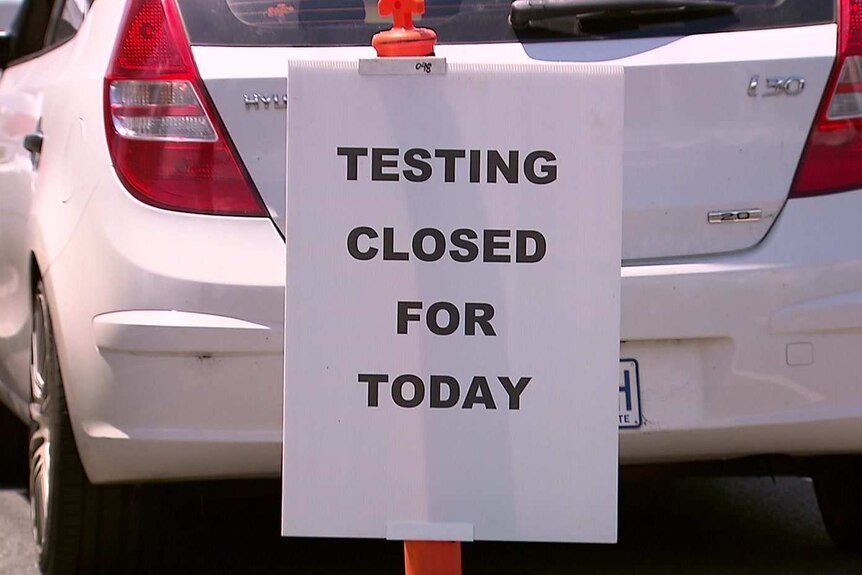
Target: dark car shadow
702 526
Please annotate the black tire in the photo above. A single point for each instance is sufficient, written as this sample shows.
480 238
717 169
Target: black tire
85 528
13 449
838 486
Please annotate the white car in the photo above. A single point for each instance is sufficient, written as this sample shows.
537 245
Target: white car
142 225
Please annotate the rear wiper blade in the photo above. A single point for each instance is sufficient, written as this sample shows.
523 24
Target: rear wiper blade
525 11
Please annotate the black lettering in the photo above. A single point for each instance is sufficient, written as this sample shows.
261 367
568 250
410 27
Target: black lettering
475 166
437 383
492 245
449 157
419 244
514 391
461 239
398 391
378 163
353 243
522 253
373 380
389 253
431 318
509 169
412 159
479 392
404 315
479 314
549 171
352 159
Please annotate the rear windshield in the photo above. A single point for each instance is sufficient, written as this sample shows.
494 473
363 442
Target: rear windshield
353 22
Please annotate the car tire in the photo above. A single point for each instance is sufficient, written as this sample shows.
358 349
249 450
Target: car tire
79 527
839 495
13 449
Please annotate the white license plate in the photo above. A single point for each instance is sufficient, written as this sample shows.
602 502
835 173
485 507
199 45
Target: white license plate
630 394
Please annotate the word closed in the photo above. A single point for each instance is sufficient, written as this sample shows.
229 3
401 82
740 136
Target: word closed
463 245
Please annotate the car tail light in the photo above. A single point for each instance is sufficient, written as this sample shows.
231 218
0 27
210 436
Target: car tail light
168 145
832 160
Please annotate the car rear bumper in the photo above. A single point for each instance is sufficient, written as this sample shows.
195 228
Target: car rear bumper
171 330
170 335
753 353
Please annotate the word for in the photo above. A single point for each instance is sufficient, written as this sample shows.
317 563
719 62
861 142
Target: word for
444 391
475 314
385 165
430 245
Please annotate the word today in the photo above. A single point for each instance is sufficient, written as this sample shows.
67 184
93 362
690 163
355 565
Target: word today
444 391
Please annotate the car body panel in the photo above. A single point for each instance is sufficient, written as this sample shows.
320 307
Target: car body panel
711 339
21 110
694 141
170 325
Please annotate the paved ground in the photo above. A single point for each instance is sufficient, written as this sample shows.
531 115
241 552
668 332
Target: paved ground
702 526
16 537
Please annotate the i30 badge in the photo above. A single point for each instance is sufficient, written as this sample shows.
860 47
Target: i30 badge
789 86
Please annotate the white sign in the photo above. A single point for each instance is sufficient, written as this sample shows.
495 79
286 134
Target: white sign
452 316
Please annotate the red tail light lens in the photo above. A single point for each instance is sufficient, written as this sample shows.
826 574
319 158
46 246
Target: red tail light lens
832 160
167 143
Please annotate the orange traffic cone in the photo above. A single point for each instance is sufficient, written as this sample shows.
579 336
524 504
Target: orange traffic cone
403 39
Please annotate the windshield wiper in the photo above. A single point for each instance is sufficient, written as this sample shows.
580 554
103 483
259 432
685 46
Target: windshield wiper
624 12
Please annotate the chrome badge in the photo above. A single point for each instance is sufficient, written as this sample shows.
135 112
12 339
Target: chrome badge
789 86
735 216
265 102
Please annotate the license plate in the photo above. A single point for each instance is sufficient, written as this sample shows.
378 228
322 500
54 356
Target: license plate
630 395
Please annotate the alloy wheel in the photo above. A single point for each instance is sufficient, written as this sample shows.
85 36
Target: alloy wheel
40 437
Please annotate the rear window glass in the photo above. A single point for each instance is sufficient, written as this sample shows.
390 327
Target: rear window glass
353 22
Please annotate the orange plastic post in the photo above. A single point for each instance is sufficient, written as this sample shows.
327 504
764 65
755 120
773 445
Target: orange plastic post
403 39
432 558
